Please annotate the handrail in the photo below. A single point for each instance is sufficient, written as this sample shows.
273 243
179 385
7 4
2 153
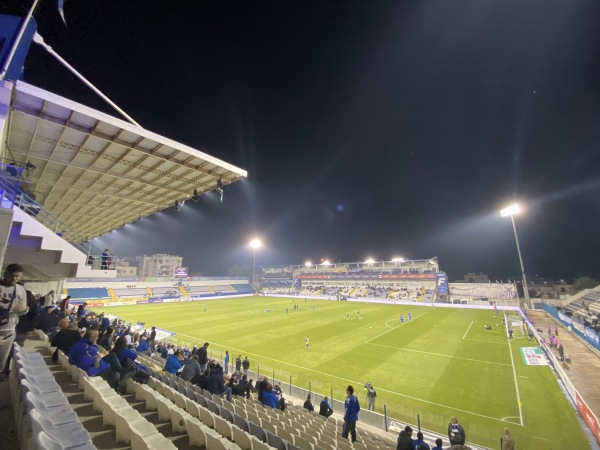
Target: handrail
95 257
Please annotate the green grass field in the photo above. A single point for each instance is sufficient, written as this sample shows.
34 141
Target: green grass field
442 363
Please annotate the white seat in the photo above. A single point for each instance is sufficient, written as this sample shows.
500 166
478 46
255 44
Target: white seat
152 442
241 438
179 399
207 417
151 398
44 441
223 427
90 384
196 431
69 435
257 444
178 416
164 409
60 414
126 426
192 408
114 408
139 390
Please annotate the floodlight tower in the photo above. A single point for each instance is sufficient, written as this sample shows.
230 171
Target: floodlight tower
511 211
254 243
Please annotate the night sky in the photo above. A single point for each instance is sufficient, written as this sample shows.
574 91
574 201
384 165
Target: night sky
368 128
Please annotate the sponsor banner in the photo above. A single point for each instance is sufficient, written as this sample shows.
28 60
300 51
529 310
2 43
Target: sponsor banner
533 356
142 302
410 276
362 276
590 418
442 283
170 300
579 329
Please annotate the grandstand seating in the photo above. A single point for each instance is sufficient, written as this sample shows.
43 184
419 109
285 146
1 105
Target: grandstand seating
243 288
223 288
88 293
131 292
166 291
198 290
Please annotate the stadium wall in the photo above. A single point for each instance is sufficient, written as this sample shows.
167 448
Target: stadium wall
587 334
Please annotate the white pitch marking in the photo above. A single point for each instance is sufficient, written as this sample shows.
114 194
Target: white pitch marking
440 354
392 329
481 340
468 330
512 360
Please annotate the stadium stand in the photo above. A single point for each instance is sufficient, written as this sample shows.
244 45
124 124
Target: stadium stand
131 292
88 293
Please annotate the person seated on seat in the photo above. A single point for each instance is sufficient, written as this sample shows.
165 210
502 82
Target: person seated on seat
325 409
191 370
269 398
308 404
127 359
84 354
173 363
66 338
143 347
216 382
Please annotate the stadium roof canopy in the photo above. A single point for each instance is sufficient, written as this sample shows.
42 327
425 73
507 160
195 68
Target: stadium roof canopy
96 172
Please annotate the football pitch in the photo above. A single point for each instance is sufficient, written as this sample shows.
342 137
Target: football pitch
441 363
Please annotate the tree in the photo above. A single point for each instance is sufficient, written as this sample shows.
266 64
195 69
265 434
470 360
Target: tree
238 270
584 283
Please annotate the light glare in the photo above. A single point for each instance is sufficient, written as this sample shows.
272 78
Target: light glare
255 243
510 210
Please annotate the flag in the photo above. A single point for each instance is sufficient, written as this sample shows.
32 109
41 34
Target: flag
61 10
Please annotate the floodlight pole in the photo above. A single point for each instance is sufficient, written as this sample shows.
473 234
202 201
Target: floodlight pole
525 289
254 268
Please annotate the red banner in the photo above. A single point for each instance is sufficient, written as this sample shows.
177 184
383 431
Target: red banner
589 417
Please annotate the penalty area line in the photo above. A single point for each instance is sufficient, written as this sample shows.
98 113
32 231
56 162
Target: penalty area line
467 332
393 328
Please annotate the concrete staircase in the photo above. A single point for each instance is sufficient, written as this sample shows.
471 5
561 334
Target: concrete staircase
44 254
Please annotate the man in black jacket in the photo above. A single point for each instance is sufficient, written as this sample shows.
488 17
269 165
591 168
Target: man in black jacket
456 433
325 409
203 356
405 441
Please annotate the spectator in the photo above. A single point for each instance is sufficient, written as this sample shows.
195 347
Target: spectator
81 310
371 394
143 347
438 444
127 359
226 363
238 363
261 387
173 363
216 382
105 256
419 443
65 339
405 441
352 407
456 433
308 405
29 321
246 365
191 370
269 398
48 320
64 303
325 408
203 356
84 354
107 339
49 298
509 442
13 303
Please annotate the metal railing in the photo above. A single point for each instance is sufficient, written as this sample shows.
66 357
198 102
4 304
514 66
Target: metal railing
11 195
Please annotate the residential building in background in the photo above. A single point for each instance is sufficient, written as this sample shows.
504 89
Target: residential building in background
158 265
126 270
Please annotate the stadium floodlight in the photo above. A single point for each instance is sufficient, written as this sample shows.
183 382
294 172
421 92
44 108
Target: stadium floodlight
397 260
308 264
511 211
254 243
326 263
369 261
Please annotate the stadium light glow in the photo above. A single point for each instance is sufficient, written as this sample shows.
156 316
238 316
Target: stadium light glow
397 260
308 264
326 263
254 243
369 261
510 210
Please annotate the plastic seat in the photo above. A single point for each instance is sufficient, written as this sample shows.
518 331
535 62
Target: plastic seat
91 384
152 442
46 442
275 441
196 431
223 428
257 444
179 400
207 417
178 416
284 434
51 398
241 438
257 431
201 399
128 423
164 409
214 408
69 435
192 408
241 423
214 442
268 426
110 406
60 414
227 415
304 444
